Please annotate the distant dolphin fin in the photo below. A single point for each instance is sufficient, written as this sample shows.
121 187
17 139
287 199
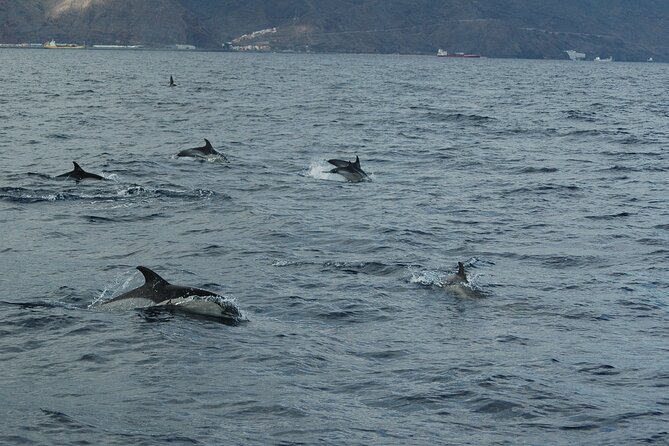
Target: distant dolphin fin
152 279
357 162
461 271
77 167
208 145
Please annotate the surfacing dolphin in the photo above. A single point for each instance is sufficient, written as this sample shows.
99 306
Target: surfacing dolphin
158 292
349 170
79 174
459 284
206 151
172 83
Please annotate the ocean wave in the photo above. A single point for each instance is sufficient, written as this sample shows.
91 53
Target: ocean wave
580 115
28 196
544 189
609 216
526 170
23 195
599 370
369 268
472 119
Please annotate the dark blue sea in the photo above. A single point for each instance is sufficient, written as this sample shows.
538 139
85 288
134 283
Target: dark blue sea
547 179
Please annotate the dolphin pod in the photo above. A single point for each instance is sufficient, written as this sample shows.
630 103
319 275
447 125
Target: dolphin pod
156 292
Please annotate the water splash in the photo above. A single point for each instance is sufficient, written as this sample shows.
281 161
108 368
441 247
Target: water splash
119 286
425 277
320 170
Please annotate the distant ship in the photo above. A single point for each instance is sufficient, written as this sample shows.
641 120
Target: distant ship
52 45
442 53
599 59
575 55
117 47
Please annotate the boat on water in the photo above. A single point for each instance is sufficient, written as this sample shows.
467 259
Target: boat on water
599 59
575 55
117 47
53 45
442 53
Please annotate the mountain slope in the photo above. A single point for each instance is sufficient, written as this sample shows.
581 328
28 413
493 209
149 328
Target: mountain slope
625 29
101 21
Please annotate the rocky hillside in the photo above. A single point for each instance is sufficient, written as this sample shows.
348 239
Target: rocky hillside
150 22
624 29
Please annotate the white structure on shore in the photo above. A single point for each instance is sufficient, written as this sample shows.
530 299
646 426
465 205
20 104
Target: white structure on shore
575 55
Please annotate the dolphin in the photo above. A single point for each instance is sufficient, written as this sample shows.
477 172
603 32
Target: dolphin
459 284
205 151
79 174
351 171
461 274
172 83
158 292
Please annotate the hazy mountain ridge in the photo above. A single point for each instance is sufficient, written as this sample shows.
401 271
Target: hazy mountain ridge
624 29
99 21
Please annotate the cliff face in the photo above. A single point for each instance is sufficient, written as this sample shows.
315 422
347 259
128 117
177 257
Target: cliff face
624 29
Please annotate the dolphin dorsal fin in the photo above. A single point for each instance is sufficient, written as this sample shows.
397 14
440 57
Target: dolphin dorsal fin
152 279
357 162
77 167
461 270
208 144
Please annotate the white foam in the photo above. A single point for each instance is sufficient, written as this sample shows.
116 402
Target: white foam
110 176
131 191
320 170
427 277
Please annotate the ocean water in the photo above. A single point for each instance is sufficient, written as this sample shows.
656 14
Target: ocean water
548 179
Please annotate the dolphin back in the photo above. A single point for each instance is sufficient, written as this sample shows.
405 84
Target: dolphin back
152 279
205 151
77 171
79 174
349 170
161 290
339 163
459 284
